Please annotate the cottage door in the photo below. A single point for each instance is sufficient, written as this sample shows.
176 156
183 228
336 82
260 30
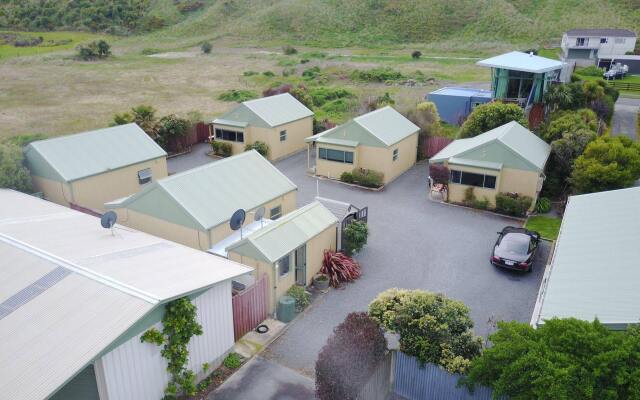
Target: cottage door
301 265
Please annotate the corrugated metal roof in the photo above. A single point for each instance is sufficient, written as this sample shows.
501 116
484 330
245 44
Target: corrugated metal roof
286 234
111 281
595 269
267 112
601 32
475 163
463 92
338 208
517 140
228 122
379 128
90 153
207 196
519 61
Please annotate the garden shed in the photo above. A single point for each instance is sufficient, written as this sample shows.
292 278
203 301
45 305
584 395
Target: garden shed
594 269
91 168
290 250
507 159
194 207
382 140
280 121
454 104
522 78
76 298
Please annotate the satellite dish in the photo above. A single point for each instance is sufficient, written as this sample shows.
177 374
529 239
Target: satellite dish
108 219
237 219
259 214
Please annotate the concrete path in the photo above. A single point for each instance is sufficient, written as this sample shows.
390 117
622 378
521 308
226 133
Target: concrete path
261 379
196 158
625 117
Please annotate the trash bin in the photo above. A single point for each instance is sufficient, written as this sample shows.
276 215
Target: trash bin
286 308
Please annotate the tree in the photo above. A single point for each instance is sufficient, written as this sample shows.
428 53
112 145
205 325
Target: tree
170 129
426 117
206 47
95 49
607 163
432 327
558 97
13 173
355 236
564 152
145 117
562 359
349 358
570 121
416 54
489 116
439 173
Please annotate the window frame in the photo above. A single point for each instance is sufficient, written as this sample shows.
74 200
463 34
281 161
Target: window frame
456 176
604 40
238 136
582 41
347 156
279 264
147 179
274 216
396 155
283 135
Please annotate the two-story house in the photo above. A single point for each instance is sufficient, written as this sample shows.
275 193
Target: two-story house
588 46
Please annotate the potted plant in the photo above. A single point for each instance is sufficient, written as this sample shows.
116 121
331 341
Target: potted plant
321 281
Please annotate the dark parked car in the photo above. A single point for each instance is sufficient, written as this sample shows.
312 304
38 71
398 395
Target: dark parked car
515 248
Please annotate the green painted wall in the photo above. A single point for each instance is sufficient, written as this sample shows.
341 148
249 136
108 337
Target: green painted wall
82 387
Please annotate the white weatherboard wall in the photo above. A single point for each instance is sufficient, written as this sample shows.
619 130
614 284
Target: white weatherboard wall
136 370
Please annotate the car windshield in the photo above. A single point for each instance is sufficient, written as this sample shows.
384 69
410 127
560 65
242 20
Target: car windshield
515 243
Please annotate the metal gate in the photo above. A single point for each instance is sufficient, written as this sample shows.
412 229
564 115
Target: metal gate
361 215
250 307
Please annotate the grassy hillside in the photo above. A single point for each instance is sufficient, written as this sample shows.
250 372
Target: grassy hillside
356 22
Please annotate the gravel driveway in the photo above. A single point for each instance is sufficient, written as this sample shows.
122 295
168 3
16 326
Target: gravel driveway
415 244
625 117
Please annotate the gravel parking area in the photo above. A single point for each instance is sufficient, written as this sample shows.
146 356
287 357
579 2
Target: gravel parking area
415 244
625 115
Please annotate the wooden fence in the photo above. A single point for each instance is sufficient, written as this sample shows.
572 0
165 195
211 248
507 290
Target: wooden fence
433 145
631 86
250 307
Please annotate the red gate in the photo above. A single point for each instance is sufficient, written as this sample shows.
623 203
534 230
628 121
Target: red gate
250 307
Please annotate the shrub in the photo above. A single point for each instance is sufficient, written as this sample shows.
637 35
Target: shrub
426 117
513 204
491 115
13 173
469 196
321 94
268 73
339 268
288 72
416 54
249 73
432 327
304 61
368 178
561 359
289 50
570 121
94 50
238 95
206 47
349 357
346 177
170 129
301 297
381 74
439 173
607 163
311 73
481 204
591 70
150 51
221 148
355 236
260 147
543 205
232 361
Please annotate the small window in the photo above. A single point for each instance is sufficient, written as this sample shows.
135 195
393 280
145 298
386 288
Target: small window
276 212
604 40
395 154
336 155
490 181
231 136
283 136
284 265
455 176
582 41
144 176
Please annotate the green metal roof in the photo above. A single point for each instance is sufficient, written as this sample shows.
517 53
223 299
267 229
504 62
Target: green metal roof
73 157
207 196
511 144
286 234
266 112
379 128
595 269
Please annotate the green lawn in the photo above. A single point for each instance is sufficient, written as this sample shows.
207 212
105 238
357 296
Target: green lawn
53 41
547 227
